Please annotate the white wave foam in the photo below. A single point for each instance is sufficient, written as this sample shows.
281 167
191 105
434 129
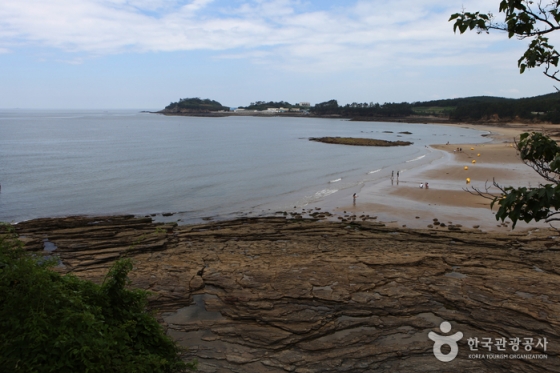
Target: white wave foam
372 172
415 159
324 193
335 181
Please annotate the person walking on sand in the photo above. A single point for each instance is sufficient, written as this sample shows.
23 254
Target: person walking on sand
421 185
398 173
392 174
354 196
426 185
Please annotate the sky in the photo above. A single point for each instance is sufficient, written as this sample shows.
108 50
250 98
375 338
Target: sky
144 54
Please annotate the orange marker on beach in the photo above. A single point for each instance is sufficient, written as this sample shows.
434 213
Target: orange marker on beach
466 167
473 161
468 180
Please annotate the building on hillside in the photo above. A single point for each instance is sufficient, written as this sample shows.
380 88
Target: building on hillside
304 104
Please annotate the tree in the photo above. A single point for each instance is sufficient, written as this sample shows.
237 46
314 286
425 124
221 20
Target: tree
55 323
532 20
524 19
542 154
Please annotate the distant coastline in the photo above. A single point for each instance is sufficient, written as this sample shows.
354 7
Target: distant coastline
418 119
541 109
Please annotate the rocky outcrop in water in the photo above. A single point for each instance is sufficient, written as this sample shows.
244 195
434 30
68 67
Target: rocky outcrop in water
301 295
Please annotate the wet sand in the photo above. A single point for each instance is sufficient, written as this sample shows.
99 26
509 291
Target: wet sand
404 203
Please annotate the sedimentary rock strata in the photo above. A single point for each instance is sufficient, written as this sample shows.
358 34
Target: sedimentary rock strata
301 295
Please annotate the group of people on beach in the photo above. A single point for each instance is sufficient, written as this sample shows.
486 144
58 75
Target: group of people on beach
422 185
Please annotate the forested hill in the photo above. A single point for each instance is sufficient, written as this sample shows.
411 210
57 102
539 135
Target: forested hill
194 105
263 105
542 108
363 110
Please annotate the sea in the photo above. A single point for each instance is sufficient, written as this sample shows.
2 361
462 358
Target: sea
102 162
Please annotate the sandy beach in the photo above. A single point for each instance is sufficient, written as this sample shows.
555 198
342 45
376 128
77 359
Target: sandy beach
403 203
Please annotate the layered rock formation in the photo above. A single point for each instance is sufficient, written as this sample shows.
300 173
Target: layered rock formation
300 295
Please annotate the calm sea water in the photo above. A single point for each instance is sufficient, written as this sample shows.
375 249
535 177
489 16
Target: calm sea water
58 163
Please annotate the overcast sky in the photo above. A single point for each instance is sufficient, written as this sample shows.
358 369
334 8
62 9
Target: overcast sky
143 54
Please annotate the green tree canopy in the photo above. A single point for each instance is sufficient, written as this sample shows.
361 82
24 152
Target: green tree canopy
524 19
60 323
533 20
542 154
196 104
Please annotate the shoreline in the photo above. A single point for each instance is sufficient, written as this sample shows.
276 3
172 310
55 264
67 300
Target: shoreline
415 119
403 204
399 204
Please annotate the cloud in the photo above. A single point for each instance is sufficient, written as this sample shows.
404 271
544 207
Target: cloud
281 33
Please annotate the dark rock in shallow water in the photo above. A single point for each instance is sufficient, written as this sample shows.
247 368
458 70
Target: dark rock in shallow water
359 141
277 295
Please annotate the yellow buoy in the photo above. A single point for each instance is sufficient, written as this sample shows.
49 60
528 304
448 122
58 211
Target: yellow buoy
473 161
472 148
468 180
478 155
466 167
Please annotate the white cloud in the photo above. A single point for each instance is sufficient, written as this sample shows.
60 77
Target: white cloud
364 34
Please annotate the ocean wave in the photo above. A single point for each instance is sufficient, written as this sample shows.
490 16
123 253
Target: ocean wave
324 193
372 172
416 159
335 181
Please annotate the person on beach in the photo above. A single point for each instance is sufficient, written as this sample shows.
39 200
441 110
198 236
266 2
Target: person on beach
392 173
398 172
426 185
421 185
354 196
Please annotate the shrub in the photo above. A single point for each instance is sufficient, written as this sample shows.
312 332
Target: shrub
60 323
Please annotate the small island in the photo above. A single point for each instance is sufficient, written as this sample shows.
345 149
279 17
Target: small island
359 141
194 106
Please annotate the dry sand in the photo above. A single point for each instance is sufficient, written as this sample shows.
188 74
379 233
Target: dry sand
403 203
